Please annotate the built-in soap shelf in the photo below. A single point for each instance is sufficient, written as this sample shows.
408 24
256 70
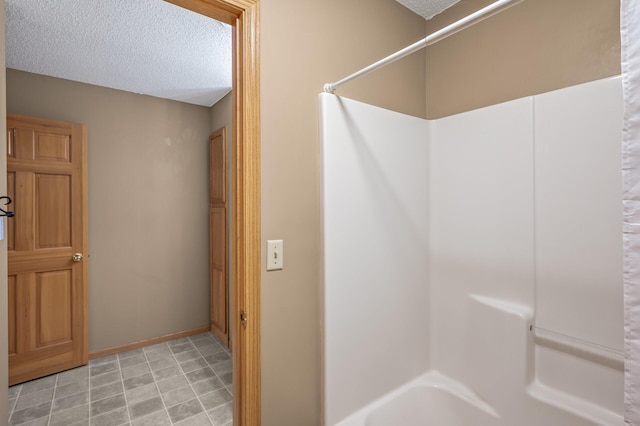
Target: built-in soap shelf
581 376
560 376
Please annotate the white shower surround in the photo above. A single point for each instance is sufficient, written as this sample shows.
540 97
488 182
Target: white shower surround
519 204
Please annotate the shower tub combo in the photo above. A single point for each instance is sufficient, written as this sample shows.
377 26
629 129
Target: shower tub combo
469 276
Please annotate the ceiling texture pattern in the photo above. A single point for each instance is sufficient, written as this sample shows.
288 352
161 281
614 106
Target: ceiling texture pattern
149 47
427 8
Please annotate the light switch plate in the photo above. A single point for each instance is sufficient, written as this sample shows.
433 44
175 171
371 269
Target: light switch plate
275 255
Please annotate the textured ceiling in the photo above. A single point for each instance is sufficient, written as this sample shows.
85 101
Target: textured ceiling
427 8
142 46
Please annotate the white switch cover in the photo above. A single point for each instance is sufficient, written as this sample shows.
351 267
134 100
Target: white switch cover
275 256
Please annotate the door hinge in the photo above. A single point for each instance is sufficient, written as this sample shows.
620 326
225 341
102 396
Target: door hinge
243 318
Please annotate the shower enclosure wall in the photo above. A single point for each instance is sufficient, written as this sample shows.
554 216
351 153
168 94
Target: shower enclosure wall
473 264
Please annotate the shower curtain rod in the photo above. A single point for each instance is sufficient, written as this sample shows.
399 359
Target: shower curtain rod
445 32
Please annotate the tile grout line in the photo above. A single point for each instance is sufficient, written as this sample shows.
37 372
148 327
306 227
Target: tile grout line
155 383
32 406
215 339
106 397
124 393
214 371
194 391
190 384
13 410
89 386
53 397
89 392
90 402
66 396
224 348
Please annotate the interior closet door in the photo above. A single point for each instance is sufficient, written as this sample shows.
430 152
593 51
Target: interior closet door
218 236
47 240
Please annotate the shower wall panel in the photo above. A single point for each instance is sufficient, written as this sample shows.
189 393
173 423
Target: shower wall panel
579 212
579 242
376 293
481 223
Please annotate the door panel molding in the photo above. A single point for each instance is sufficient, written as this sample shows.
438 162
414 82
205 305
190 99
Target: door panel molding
218 269
218 235
218 167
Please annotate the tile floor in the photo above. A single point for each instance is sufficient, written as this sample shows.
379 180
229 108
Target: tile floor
182 382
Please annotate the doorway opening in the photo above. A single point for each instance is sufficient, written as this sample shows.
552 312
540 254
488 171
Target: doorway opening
243 16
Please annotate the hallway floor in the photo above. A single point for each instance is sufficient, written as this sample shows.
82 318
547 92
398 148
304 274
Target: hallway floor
181 382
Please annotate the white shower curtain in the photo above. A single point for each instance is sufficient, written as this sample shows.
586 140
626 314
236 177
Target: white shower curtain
630 38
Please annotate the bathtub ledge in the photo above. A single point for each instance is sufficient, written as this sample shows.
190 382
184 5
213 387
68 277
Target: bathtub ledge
576 406
438 380
432 379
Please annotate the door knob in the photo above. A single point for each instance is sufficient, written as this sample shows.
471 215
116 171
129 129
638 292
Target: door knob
77 257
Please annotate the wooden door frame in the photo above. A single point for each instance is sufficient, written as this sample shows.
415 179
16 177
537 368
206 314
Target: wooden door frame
243 15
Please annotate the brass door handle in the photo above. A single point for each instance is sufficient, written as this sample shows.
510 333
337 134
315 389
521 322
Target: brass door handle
77 257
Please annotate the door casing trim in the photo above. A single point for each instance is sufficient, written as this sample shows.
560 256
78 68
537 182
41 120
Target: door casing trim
243 15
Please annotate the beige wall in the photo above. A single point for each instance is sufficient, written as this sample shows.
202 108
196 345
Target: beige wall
148 204
221 114
4 326
534 47
305 44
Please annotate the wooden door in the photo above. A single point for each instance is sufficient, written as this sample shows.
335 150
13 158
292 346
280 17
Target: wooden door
47 240
218 237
